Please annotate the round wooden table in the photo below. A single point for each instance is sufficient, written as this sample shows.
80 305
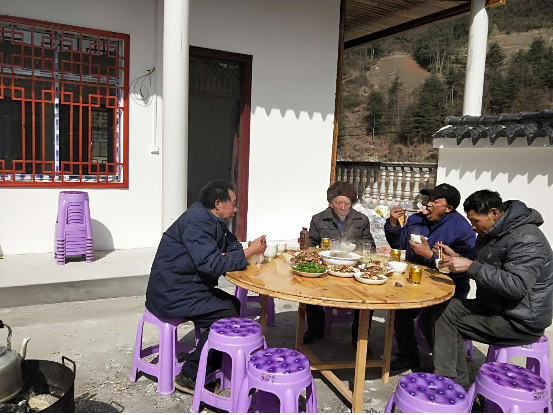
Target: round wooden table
276 279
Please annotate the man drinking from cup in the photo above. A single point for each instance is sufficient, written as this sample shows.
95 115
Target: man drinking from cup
438 222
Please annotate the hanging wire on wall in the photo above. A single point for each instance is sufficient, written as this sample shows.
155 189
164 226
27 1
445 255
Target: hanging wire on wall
140 93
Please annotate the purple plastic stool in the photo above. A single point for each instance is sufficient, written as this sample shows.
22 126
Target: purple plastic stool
237 338
242 295
167 367
281 372
428 393
512 388
73 229
421 341
343 315
537 359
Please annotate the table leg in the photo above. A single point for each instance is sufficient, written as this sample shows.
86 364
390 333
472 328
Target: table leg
300 328
360 361
263 311
388 338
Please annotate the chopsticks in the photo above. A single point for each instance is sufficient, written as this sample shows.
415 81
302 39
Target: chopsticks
440 252
413 210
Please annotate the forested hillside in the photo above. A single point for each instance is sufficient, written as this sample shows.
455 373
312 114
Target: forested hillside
397 92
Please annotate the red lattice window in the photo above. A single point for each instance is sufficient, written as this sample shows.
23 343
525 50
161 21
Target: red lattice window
63 105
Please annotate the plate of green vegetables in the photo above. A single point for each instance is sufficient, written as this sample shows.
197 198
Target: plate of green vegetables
309 269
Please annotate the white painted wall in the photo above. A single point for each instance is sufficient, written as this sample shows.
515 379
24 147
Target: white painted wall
523 173
122 218
294 47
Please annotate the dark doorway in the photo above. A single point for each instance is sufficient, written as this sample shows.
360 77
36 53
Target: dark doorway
219 125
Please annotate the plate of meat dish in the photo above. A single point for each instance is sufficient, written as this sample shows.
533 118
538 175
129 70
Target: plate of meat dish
381 267
342 271
371 278
305 256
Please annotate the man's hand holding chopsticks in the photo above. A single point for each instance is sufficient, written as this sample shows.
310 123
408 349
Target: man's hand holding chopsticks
446 250
455 264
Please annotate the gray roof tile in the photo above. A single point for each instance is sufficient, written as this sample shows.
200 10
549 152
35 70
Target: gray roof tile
528 125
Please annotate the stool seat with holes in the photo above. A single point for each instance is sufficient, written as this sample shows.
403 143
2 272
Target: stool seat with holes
236 338
279 372
537 359
512 388
428 393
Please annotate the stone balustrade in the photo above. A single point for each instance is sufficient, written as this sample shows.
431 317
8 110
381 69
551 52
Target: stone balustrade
387 183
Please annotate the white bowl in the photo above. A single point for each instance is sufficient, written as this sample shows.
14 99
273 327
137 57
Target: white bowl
350 261
270 251
344 246
442 270
399 267
281 247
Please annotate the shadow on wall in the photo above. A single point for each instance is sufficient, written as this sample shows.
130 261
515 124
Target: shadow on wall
103 240
528 162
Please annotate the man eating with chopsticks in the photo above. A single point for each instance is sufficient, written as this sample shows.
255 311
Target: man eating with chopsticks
438 222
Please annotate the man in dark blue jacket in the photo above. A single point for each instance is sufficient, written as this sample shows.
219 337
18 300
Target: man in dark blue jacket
193 253
439 223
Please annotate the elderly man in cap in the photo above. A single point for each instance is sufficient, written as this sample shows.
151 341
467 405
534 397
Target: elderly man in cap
439 222
339 221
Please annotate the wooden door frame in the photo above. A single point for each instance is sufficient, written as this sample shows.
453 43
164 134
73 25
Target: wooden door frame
245 61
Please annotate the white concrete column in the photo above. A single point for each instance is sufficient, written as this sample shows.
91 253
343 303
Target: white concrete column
476 58
174 147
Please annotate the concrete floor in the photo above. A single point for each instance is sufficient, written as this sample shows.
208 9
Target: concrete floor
99 336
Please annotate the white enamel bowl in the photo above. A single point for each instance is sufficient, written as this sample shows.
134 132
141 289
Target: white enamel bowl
350 261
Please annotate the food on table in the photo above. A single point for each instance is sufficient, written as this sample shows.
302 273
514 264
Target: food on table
342 268
376 266
303 256
398 284
372 276
309 267
340 254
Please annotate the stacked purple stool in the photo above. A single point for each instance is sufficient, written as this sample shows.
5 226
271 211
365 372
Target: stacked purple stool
73 229
511 388
342 315
537 359
279 372
429 393
236 338
242 295
168 347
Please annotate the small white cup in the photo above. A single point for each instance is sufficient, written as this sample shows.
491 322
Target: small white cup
281 247
442 270
270 251
416 238
399 267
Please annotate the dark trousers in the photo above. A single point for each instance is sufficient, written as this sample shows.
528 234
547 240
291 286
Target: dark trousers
404 327
316 320
470 319
190 367
404 324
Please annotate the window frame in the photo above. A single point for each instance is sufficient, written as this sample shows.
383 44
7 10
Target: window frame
57 178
